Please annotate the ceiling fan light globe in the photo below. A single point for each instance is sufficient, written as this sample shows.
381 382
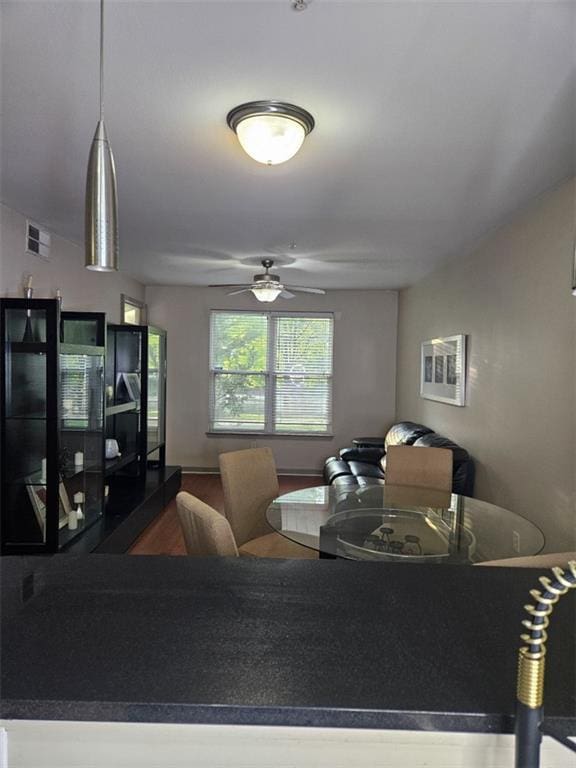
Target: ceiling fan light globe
266 293
270 139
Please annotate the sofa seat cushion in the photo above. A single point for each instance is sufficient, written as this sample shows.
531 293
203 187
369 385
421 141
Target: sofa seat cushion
405 433
364 481
362 468
345 482
277 546
334 467
370 455
434 440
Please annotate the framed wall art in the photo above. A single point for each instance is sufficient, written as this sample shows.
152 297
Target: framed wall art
443 370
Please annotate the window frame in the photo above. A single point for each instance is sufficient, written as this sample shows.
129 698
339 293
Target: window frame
270 377
136 303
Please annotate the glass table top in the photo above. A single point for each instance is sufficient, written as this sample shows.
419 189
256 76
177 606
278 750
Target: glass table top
402 524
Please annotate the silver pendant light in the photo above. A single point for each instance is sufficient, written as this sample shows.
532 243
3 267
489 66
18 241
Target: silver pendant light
101 213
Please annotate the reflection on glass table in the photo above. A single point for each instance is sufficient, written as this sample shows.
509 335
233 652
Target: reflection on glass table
402 524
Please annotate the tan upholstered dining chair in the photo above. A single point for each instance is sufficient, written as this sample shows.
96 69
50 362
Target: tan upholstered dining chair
419 467
250 483
206 532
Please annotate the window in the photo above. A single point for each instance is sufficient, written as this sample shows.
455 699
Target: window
80 402
271 372
132 311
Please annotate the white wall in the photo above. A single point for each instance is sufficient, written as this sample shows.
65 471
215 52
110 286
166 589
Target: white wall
364 372
49 744
81 288
512 297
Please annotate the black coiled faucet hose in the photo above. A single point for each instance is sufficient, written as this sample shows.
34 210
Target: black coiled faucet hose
531 665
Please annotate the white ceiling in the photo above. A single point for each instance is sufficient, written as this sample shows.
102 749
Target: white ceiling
434 121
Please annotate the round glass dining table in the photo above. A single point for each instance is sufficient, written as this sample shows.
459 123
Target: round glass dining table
402 524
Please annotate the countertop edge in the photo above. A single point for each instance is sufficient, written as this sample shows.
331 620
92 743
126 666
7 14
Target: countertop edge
225 714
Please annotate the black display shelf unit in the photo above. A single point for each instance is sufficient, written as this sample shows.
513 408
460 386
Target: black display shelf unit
139 482
136 398
133 504
68 382
52 418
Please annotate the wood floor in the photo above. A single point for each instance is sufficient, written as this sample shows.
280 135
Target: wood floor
163 537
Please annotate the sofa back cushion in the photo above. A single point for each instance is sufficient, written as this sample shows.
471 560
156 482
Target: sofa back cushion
434 440
405 433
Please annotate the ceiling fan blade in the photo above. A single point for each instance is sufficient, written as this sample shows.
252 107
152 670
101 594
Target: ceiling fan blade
305 290
241 290
287 295
230 285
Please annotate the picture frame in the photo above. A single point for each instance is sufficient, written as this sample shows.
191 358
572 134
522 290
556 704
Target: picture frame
132 384
443 370
37 495
65 506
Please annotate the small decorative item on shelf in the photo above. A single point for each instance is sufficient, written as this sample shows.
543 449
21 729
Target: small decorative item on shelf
28 336
112 451
79 500
78 460
43 470
64 459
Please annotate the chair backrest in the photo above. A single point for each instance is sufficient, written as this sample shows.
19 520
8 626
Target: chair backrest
250 483
206 532
419 467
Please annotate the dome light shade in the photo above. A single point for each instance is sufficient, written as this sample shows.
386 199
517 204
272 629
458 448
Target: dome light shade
266 292
271 132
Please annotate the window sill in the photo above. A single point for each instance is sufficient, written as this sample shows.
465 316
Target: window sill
272 435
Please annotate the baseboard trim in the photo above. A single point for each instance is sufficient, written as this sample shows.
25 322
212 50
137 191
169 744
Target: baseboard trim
281 471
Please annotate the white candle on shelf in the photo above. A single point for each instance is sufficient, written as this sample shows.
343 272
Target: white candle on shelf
43 473
79 459
73 519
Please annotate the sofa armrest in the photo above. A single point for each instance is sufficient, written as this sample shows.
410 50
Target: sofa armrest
368 442
371 455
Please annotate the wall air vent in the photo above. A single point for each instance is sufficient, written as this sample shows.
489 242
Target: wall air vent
37 240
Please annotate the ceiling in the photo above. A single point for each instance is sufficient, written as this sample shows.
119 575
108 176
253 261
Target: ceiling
434 122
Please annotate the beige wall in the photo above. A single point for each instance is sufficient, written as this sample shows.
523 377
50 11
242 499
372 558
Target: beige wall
512 297
81 289
364 372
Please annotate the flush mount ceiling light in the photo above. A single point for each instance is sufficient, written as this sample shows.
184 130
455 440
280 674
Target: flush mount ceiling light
271 132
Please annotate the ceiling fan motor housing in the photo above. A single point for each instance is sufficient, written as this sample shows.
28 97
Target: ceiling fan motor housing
266 277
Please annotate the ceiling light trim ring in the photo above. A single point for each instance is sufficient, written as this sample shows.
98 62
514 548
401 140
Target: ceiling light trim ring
270 107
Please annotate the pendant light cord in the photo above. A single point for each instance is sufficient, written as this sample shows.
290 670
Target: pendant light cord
101 59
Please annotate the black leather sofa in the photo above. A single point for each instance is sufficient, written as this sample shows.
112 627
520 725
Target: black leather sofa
364 463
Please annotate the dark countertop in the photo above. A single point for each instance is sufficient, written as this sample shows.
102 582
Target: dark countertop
318 643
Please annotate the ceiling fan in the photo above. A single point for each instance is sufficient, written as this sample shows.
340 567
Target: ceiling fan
267 287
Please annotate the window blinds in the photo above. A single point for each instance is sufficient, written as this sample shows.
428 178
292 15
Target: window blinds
271 372
302 374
